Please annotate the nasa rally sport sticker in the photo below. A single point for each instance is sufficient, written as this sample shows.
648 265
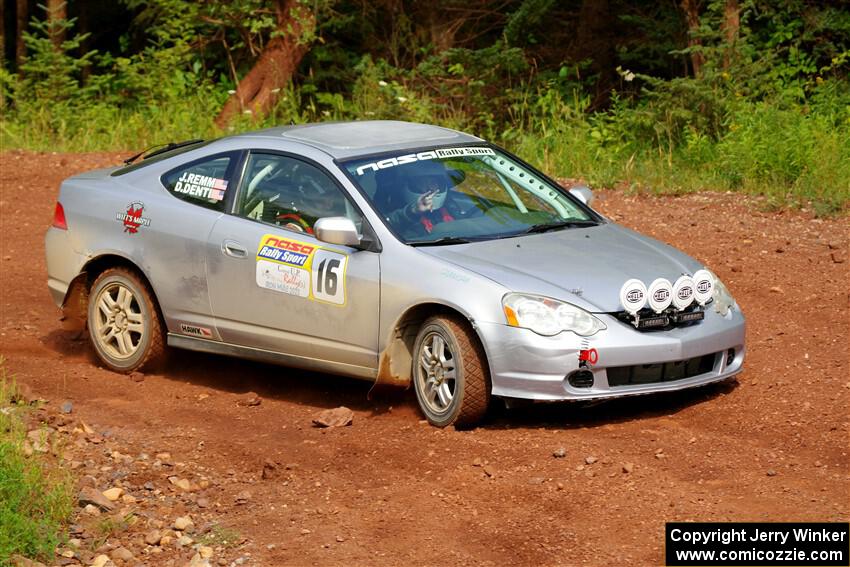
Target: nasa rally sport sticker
423 156
703 286
301 269
633 296
660 294
683 292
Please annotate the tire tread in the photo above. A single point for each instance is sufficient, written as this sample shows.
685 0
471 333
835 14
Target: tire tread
157 349
476 372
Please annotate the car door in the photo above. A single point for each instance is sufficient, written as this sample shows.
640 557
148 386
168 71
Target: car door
274 286
175 229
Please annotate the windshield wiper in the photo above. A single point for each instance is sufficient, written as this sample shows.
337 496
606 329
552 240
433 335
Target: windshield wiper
440 241
546 227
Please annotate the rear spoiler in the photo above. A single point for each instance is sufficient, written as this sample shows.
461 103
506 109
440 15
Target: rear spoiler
160 148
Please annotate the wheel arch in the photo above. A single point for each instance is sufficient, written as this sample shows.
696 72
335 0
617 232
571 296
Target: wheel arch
396 359
75 304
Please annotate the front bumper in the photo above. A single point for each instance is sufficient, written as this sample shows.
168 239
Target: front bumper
526 365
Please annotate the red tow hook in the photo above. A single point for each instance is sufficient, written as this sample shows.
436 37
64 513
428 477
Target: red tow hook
589 356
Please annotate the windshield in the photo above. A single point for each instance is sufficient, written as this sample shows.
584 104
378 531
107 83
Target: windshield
454 195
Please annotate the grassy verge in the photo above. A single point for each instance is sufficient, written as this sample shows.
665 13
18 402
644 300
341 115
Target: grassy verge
35 494
793 155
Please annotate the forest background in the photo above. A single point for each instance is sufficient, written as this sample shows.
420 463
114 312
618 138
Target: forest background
643 95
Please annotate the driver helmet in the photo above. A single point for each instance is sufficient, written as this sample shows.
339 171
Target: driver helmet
428 177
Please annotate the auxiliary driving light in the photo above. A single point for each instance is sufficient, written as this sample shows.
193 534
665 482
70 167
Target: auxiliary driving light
703 286
660 294
683 292
633 296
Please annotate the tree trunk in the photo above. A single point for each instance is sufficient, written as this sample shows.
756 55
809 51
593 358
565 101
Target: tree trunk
731 28
258 91
692 18
21 18
57 10
594 42
83 26
3 33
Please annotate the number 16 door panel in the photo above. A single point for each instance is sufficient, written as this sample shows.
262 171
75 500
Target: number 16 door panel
287 292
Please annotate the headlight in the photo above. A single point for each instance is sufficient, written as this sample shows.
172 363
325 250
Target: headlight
547 316
723 300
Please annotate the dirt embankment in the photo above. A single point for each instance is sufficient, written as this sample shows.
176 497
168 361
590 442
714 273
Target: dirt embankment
264 487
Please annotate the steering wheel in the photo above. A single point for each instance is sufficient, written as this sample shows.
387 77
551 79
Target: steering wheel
294 221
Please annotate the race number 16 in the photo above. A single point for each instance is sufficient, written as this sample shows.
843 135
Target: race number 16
328 276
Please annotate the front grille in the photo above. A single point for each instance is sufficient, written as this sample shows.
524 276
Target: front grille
664 372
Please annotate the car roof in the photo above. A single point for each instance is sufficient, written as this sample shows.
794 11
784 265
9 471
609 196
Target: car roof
343 140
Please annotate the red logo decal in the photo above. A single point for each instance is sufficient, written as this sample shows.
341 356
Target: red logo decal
132 218
588 355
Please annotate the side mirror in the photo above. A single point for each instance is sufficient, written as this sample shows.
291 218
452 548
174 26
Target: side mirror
583 194
337 230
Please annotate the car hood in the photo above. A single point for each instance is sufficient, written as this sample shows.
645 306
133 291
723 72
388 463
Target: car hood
585 266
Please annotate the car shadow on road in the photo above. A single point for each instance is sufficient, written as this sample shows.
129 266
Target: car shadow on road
571 415
302 387
322 391
240 376
67 343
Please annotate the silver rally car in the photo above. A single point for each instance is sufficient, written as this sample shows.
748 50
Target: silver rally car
388 251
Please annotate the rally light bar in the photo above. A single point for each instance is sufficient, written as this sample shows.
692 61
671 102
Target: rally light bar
668 304
649 321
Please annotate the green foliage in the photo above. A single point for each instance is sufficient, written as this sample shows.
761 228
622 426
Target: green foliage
529 15
35 496
220 536
769 113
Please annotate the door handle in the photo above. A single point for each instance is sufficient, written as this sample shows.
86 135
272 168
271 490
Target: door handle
234 249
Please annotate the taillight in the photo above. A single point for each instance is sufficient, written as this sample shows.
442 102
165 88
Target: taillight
59 217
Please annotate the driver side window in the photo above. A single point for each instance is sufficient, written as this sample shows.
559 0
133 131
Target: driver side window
290 193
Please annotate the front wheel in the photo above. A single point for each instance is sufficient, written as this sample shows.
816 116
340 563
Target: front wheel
450 373
123 322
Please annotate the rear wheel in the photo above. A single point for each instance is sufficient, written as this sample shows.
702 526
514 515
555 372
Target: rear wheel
450 373
124 323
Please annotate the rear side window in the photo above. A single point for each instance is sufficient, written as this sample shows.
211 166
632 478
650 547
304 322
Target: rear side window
204 182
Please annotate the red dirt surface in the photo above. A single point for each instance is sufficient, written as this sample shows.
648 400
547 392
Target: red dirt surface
391 490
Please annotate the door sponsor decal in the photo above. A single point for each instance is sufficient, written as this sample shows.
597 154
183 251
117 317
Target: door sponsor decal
196 331
132 218
286 279
301 269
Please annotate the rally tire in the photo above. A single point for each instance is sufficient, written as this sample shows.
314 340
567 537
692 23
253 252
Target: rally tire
124 324
452 384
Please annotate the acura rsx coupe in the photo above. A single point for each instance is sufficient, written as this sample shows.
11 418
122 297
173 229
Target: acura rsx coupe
394 252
